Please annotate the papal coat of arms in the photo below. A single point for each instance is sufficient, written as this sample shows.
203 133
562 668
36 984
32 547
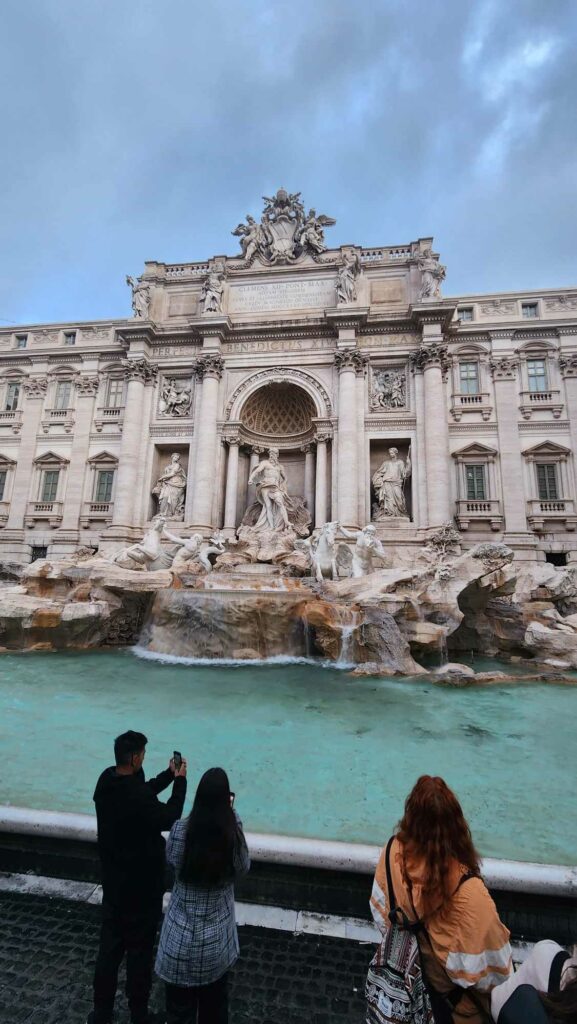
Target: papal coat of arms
285 231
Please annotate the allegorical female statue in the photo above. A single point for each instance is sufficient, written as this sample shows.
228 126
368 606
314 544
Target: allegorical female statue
169 489
389 483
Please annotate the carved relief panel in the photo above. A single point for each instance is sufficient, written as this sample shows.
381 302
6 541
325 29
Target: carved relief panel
388 388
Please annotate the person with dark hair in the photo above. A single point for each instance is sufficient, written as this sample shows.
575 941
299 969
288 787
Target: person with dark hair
542 991
199 940
131 847
435 879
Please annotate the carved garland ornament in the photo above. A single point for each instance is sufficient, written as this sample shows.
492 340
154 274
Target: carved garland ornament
280 375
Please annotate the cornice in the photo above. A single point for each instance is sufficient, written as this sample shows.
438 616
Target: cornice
381 422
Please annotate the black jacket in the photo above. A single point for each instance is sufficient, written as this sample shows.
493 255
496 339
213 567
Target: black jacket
130 821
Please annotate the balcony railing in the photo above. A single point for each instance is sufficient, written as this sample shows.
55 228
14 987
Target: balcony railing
12 419
559 510
44 511
481 509
537 400
58 418
96 512
109 414
471 403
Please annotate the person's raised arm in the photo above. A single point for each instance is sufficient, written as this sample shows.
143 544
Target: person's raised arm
160 817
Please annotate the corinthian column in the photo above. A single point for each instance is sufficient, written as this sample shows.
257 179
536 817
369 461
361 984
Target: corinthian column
34 390
138 372
433 360
86 388
504 372
321 481
210 368
231 484
347 363
420 514
309 478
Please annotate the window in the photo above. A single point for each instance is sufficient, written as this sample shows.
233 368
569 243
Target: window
38 551
12 394
50 484
529 310
547 481
70 337
465 313
3 475
475 476
469 378
63 392
557 558
115 393
21 340
537 375
104 483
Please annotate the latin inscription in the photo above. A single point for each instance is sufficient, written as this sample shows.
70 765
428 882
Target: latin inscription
274 295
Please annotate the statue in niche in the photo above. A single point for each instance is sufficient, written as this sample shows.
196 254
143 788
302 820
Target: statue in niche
389 389
212 289
169 489
174 401
347 278
271 491
366 549
389 483
140 297
433 273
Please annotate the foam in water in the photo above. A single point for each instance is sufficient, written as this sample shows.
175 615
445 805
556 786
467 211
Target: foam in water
278 659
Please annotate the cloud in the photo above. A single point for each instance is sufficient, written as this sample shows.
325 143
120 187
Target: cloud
140 130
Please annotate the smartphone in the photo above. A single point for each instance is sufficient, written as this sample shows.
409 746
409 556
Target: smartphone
177 758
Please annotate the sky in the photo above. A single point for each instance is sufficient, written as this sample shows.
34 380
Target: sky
135 130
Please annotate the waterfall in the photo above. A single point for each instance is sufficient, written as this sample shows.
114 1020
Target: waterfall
347 645
443 650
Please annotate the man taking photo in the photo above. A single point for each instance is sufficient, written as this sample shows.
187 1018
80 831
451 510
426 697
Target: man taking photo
131 848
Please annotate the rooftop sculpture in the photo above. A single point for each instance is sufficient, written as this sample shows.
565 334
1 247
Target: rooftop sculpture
285 232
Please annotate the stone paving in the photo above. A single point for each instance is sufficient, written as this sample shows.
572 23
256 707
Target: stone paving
48 946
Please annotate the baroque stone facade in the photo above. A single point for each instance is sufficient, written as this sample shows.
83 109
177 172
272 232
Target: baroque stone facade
334 356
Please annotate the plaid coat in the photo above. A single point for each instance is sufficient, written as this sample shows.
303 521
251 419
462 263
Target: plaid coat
199 940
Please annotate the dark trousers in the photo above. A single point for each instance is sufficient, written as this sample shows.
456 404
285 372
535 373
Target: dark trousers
209 1001
131 932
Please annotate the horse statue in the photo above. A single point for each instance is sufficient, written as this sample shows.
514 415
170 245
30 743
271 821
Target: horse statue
145 551
323 552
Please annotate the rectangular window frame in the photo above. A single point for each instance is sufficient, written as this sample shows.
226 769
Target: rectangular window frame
49 488
537 379
104 486
115 393
21 340
469 383
3 481
476 481
12 396
530 310
63 395
69 337
547 481
465 314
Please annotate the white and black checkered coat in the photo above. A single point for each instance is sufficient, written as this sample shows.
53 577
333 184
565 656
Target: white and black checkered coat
199 940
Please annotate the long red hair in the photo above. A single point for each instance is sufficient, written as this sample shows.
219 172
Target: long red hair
434 834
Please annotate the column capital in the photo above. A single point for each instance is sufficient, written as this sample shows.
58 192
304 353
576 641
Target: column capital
87 386
322 437
231 439
503 368
568 364
35 387
351 359
209 365
140 369
308 447
435 354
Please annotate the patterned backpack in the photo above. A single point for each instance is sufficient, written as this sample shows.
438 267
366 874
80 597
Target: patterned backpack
395 990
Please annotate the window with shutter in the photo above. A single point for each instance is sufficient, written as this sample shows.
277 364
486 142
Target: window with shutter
50 485
63 392
3 475
547 481
104 485
475 483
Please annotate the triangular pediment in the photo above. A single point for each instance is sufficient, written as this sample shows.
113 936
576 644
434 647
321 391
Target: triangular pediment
547 448
104 459
475 450
51 459
5 462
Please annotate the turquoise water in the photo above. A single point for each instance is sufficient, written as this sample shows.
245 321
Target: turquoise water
310 751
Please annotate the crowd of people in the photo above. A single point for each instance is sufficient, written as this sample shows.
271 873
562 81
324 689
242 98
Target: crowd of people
444 956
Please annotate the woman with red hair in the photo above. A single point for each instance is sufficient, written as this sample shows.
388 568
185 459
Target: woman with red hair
435 876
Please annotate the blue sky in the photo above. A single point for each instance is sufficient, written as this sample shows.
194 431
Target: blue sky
134 130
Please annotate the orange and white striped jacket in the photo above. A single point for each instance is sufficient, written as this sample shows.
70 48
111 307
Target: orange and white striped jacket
469 945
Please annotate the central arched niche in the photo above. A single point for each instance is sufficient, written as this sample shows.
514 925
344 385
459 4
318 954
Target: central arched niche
279 412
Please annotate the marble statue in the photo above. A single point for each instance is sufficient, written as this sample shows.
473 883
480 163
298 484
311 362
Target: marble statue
347 278
169 489
389 482
271 491
212 289
323 552
174 401
285 231
433 273
367 548
195 549
389 389
145 551
140 297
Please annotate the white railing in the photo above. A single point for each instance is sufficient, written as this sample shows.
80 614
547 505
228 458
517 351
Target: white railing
550 506
478 507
